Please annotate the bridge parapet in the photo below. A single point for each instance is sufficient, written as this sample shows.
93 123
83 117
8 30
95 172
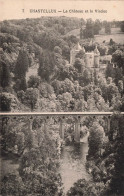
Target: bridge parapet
61 116
45 114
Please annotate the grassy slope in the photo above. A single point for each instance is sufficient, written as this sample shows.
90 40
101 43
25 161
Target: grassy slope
116 35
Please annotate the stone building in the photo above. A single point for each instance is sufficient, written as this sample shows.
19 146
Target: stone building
77 48
91 59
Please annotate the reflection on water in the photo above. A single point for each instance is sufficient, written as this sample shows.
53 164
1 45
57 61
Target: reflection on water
72 164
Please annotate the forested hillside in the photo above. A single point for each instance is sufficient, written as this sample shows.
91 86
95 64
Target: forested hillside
36 75
35 56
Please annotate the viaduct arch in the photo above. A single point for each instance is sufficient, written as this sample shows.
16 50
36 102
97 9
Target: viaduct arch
62 116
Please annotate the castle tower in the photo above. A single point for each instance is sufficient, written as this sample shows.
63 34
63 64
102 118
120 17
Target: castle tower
89 59
96 57
74 51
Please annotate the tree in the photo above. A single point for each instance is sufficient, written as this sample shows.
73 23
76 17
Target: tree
21 67
82 22
58 50
116 103
117 75
72 39
78 65
107 28
33 81
12 184
47 64
111 42
38 165
66 52
109 72
122 26
117 178
45 90
81 105
80 54
87 91
84 188
112 91
120 86
67 86
122 105
91 105
65 72
65 99
20 84
81 33
95 75
4 75
103 50
29 97
58 59
5 103
95 140
97 27
118 59
86 77
57 86
109 90
96 102
89 31
109 80
22 64
72 105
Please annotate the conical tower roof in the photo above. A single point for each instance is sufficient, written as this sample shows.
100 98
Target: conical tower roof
96 51
77 47
83 49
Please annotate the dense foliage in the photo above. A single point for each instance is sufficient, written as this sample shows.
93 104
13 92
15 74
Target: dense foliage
37 155
36 75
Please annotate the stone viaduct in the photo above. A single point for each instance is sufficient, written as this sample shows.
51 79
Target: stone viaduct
61 116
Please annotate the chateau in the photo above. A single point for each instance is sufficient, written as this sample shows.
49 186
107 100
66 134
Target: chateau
91 59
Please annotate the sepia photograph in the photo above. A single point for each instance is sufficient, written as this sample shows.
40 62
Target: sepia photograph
61 98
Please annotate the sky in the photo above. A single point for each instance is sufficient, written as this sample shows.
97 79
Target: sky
20 9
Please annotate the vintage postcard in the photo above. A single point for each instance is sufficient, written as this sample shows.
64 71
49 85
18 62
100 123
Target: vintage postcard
61 98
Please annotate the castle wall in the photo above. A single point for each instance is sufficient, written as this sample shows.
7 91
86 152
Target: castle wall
89 59
73 53
96 61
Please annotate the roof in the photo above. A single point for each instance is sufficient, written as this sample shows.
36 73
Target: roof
83 49
77 47
96 51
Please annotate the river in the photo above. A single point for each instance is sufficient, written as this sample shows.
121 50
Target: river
72 164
